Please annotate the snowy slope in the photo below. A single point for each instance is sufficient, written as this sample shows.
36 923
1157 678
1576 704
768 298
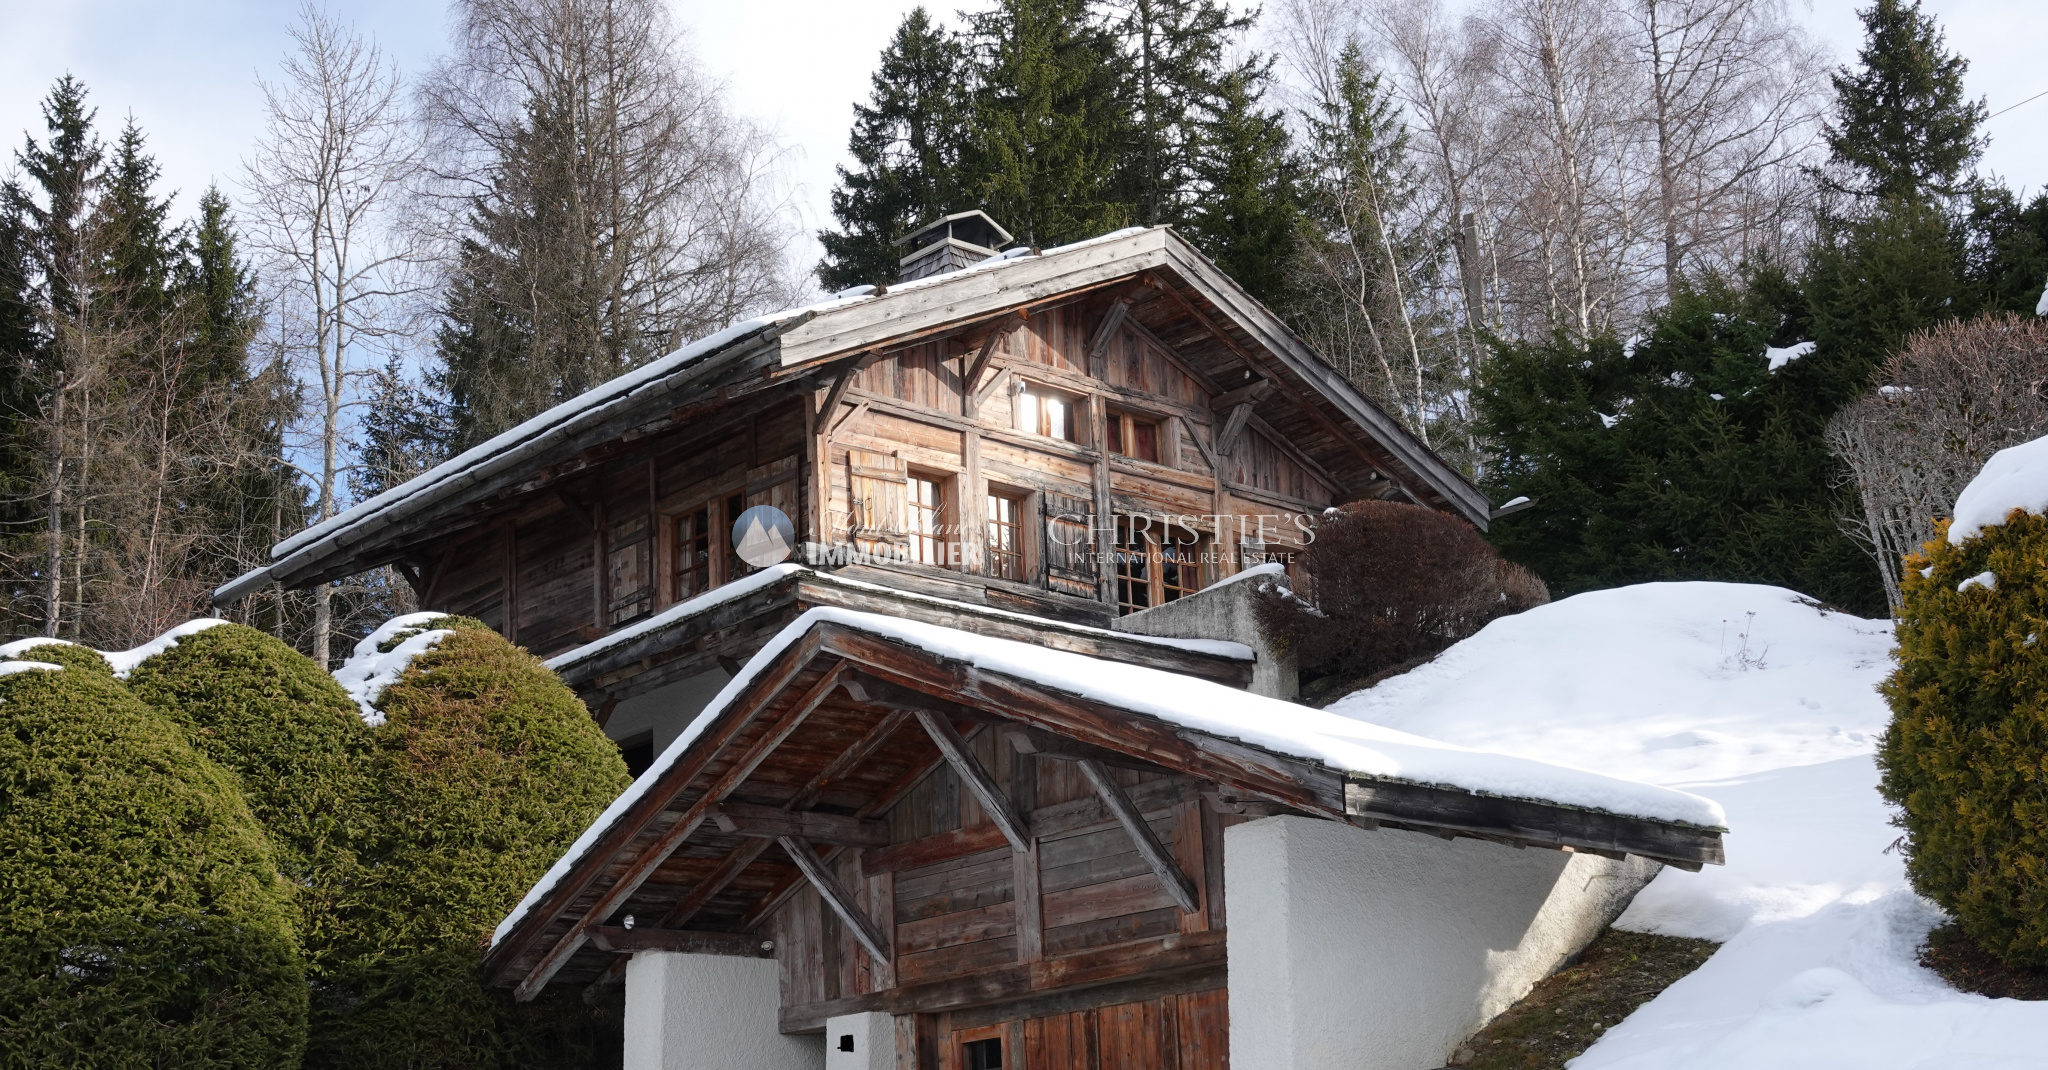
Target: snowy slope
1775 717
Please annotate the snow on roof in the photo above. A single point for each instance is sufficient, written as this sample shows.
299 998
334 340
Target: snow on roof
2014 478
369 670
774 574
123 661
1341 743
625 385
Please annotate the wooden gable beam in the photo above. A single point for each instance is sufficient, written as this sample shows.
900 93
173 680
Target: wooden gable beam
620 938
1178 887
1099 344
770 822
837 897
1233 426
976 778
840 386
971 379
654 854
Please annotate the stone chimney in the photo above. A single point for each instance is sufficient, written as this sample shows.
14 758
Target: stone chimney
950 243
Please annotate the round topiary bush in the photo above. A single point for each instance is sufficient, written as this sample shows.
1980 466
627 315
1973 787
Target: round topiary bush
142 920
1966 756
486 768
60 652
270 715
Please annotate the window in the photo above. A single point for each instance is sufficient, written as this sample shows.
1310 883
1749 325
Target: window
1155 564
1133 436
693 553
1005 537
927 521
629 573
982 1054
1044 412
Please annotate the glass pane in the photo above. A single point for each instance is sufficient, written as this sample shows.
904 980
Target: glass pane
1145 439
1056 419
1116 435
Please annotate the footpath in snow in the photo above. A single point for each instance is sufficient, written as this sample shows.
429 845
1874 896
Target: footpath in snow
1756 698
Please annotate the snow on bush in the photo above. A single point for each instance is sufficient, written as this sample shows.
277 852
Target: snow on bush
1776 717
384 655
2014 478
121 662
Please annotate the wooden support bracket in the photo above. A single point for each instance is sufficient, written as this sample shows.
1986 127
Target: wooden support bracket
1177 885
988 390
1233 426
840 386
976 778
1252 391
836 896
1026 740
769 822
971 380
1111 320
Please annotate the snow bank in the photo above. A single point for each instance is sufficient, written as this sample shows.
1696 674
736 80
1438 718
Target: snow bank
1775 717
368 671
2014 478
1341 743
123 661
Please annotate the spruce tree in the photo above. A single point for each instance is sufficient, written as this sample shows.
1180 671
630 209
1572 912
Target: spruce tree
66 171
1902 128
1048 120
907 146
1175 75
402 434
1246 213
137 247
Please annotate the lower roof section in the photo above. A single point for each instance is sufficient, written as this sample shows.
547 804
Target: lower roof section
841 712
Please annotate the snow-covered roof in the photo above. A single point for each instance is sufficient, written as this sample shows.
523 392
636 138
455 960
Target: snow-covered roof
2014 478
774 574
1340 743
675 371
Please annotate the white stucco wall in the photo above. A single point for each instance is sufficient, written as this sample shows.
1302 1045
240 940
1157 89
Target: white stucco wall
873 1036
1225 612
709 1012
666 710
1383 950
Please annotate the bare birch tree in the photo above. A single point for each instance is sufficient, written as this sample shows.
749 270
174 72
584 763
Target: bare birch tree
601 205
327 176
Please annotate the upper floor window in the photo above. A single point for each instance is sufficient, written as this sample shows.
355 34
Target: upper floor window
629 567
1133 436
695 545
1155 563
1045 412
1005 537
928 542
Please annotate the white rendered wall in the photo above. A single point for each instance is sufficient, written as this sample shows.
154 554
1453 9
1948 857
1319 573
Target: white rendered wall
874 1042
709 1012
1383 950
665 711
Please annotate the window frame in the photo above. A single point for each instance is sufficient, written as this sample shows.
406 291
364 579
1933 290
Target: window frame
1076 406
925 524
1120 430
1167 571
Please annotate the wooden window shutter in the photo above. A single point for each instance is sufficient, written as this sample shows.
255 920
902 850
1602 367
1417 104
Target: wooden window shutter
1069 544
879 483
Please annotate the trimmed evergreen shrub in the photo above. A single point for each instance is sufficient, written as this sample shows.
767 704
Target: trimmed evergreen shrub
487 767
142 920
301 750
69 655
1966 756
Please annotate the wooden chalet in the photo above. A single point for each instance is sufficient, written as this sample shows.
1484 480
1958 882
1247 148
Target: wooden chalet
992 772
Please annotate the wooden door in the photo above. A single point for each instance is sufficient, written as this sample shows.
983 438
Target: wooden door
1183 1031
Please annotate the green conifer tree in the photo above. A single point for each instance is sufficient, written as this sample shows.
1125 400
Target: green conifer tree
1175 74
1902 128
137 247
1247 210
907 144
1048 120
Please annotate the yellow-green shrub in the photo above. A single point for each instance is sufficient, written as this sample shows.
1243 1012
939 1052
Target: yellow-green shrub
1966 756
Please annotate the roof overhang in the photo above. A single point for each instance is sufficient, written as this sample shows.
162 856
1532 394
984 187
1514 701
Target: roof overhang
824 725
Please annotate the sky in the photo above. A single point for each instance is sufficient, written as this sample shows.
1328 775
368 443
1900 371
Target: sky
187 70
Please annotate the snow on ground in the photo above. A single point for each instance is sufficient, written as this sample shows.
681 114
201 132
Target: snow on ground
1775 716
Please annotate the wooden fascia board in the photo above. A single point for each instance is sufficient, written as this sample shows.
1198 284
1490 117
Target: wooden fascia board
668 785
1273 336
973 295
